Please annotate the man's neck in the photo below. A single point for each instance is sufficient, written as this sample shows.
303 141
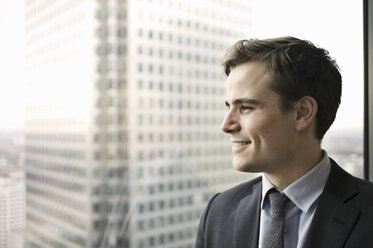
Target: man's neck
295 169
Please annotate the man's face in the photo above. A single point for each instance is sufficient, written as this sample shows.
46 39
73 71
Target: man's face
263 135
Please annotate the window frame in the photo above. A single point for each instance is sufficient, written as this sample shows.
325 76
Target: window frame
368 88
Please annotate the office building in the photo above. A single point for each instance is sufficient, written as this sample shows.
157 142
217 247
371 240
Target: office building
12 209
124 105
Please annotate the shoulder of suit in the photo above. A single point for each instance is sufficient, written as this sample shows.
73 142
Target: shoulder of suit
239 191
347 182
364 185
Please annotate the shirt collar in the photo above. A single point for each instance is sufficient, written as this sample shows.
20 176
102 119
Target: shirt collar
306 190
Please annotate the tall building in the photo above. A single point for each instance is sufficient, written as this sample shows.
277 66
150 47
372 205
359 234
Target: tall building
12 209
124 105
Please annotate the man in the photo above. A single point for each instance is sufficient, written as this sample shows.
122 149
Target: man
282 96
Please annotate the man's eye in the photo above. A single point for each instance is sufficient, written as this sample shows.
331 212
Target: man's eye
243 108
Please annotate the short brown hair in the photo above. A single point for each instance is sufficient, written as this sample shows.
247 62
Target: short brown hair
299 68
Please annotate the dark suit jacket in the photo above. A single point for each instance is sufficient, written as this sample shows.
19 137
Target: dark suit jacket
343 218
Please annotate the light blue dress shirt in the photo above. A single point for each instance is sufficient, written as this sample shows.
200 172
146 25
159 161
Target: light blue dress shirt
304 194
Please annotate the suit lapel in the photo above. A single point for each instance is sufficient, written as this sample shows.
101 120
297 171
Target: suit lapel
334 217
246 228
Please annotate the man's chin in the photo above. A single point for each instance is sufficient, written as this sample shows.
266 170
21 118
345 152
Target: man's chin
245 167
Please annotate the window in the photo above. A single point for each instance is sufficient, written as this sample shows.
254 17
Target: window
130 115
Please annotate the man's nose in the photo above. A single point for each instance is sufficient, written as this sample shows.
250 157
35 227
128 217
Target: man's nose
230 123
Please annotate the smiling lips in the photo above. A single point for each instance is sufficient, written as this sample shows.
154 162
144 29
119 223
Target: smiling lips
241 143
239 146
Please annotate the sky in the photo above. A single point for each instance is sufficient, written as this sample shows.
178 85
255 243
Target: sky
335 25
11 64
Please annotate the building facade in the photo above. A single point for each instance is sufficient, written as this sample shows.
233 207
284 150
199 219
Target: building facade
124 105
12 209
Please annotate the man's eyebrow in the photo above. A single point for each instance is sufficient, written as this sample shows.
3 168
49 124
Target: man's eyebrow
245 100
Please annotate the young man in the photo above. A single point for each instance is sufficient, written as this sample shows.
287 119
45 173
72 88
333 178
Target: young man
282 96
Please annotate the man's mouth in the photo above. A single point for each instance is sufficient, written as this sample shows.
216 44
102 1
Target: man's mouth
241 143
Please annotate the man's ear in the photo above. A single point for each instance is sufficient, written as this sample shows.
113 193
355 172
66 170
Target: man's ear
306 112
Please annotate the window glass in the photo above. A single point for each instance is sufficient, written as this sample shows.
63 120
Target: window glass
115 110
